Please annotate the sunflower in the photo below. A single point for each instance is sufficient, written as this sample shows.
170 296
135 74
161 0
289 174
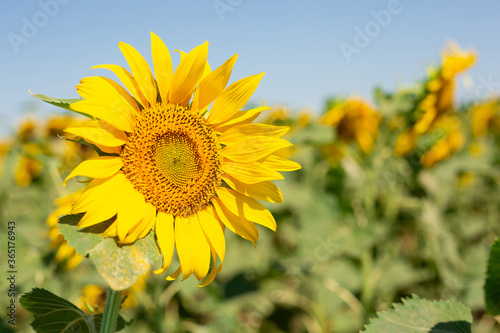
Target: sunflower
485 118
354 120
172 165
437 102
65 253
441 87
94 296
451 140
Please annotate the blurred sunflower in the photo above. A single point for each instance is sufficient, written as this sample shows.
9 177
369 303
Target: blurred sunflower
440 87
485 118
27 129
94 296
5 147
279 115
450 142
65 254
354 120
28 167
176 167
438 98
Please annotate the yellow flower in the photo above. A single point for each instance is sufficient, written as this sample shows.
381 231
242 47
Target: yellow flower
441 87
405 143
451 142
94 296
177 168
279 115
485 118
5 146
354 120
26 131
303 118
65 253
56 125
27 169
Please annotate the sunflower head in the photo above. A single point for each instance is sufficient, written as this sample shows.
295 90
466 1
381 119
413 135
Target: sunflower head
178 156
65 254
448 130
354 120
486 118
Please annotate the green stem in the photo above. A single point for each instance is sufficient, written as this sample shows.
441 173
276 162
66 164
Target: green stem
113 300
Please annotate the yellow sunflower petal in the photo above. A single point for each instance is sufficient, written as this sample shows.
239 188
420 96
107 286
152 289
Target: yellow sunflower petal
188 74
128 81
175 274
97 167
279 164
233 98
236 224
141 71
192 247
164 229
213 84
141 228
111 231
98 132
130 212
243 132
253 148
266 190
239 118
250 173
107 93
162 64
246 207
213 231
100 194
213 272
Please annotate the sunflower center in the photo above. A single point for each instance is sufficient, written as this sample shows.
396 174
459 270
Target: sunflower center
176 157
173 159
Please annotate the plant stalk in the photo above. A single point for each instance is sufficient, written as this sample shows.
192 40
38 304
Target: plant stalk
111 308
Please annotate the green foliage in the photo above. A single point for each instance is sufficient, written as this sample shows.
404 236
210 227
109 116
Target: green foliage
492 286
119 265
417 316
60 102
54 314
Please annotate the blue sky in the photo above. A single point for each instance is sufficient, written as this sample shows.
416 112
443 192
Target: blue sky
297 44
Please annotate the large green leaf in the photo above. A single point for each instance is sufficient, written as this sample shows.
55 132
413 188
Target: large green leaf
54 314
119 265
418 316
492 285
83 240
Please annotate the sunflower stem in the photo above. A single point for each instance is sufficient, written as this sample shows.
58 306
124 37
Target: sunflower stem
113 300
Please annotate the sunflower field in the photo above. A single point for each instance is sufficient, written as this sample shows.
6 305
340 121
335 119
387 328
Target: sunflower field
388 220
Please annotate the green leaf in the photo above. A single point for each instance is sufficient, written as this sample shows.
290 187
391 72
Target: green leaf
119 265
60 102
418 316
54 314
492 285
83 240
